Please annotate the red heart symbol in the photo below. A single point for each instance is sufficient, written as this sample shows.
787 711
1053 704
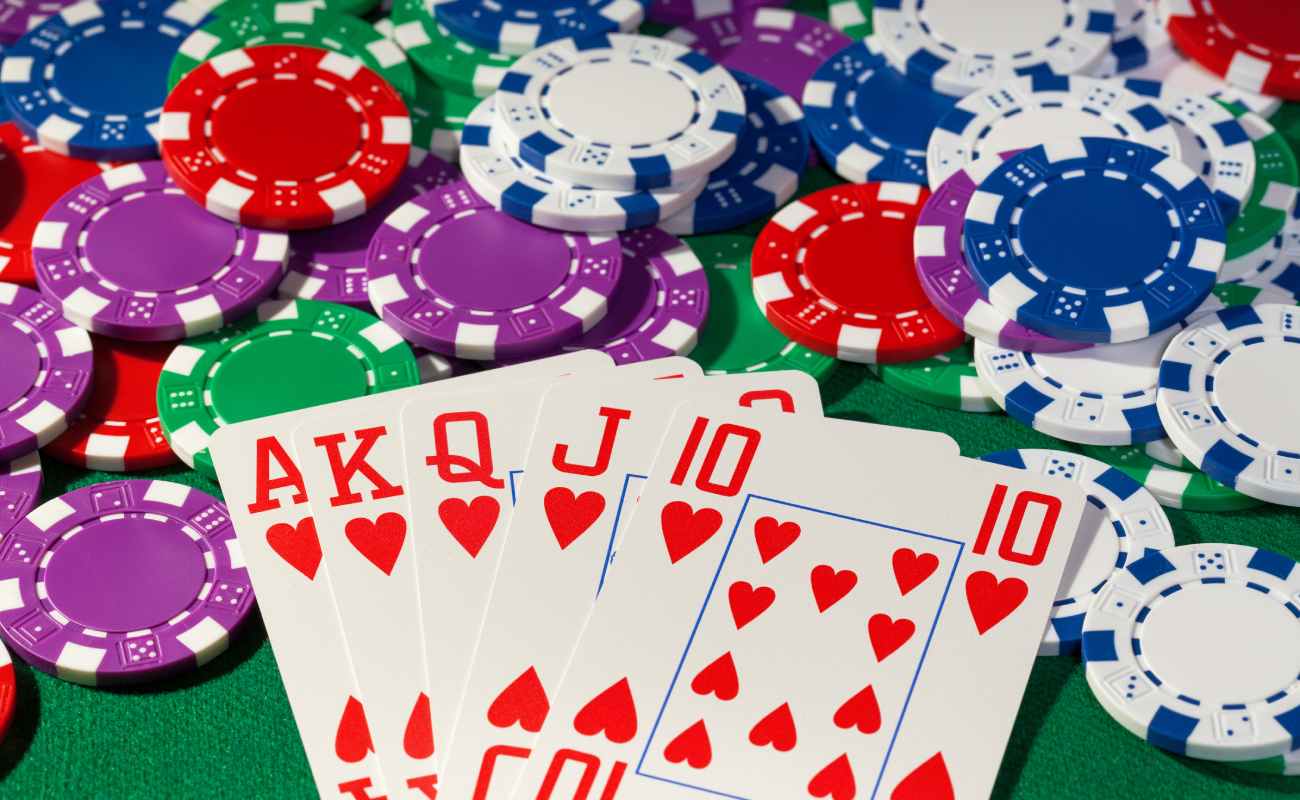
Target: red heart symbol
685 529
718 678
352 739
834 781
418 739
776 729
571 515
930 781
860 711
470 523
523 702
379 541
774 537
829 586
612 712
911 570
297 544
887 635
991 601
747 602
692 746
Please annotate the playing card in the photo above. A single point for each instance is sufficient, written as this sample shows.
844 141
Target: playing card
809 608
595 439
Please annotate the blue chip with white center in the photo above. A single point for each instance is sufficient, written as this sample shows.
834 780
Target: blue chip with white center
517 26
1094 239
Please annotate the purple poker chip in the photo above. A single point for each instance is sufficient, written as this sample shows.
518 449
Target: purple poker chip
191 274
456 276
123 582
17 17
20 487
946 277
680 12
661 300
330 263
46 377
780 46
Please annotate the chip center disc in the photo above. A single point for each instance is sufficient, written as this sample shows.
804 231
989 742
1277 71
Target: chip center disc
184 252
501 264
886 89
125 574
617 103
1242 624
284 373
994 26
866 264
22 364
1030 127
1109 233
1256 387
116 71
287 129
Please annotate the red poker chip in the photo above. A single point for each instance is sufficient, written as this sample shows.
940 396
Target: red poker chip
119 430
834 272
33 178
284 136
1254 45
8 690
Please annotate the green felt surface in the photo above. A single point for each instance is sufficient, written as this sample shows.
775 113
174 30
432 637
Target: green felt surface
225 731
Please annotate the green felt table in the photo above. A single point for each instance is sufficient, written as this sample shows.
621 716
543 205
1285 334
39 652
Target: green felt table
226 730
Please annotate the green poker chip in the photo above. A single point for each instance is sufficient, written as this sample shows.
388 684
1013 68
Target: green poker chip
948 380
248 24
1276 178
287 355
736 337
452 63
1187 489
851 16
356 8
437 117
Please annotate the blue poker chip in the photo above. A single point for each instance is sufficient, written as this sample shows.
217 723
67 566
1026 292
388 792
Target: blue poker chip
517 26
870 122
1094 239
90 81
763 173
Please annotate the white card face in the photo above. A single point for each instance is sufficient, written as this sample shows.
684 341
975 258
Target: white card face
594 441
809 608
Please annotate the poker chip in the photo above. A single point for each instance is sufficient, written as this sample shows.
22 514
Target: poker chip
119 429
1192 78
290 354
191 274
512 186
530 292
1094 239
772 44
1249 44
453 63
946 277
761 175
20 488
47 371
1137 41
870 122
330 263
659 304
261 22
1271 201
943 45
619 112
1188 489
124 582
518 26
834 272
89 81
1122 524
233 137
8 691
17 17
1147 663
1225 395
1164 451
437 117
37 178
1030 111
851 16
736 338
948 380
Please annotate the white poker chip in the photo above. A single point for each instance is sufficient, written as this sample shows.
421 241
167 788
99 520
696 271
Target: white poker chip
1196 649
1138 41
1228 399
1166 452
1025 112
1192 78
1122 523
620 112
958 47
